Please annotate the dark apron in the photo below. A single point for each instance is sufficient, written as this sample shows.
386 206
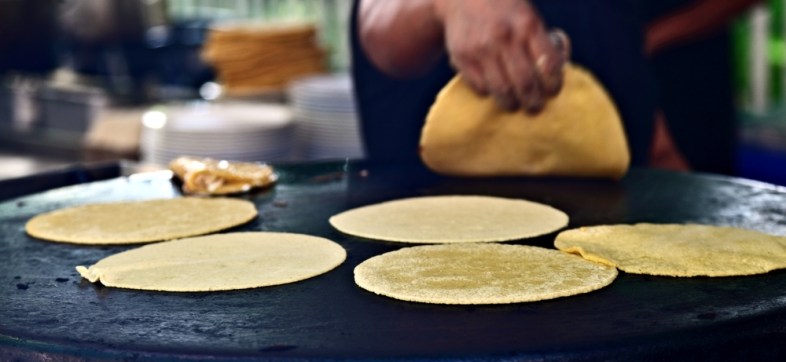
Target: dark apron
696 93
606 38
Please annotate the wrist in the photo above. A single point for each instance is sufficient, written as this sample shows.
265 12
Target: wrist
438 10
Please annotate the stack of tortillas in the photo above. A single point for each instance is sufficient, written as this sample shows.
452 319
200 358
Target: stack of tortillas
579 133
468 268
252 58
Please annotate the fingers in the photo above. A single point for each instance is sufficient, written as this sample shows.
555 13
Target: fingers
548 60
529 69
487 76
503 50
522 79
534 67
473 75
561 41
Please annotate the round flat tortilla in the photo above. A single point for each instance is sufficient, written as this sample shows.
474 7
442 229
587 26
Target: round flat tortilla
451 219
140 221
480 274
677 250
218 262
578 133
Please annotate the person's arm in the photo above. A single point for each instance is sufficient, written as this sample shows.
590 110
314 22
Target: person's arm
403 38
692 22
500 47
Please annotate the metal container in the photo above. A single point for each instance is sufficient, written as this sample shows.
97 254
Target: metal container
69 108
18 109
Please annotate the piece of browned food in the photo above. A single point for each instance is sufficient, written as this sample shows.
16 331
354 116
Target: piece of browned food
579 133
206 176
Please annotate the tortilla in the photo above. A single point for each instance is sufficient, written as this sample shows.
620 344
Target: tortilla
218 262
451 219
140 221
677 250
578 133
480 274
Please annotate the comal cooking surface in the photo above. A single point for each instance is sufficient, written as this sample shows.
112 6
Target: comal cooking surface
47 310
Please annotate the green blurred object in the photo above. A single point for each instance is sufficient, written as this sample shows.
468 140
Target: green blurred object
761 152
775 53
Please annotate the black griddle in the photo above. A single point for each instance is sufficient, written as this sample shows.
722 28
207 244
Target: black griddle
48 312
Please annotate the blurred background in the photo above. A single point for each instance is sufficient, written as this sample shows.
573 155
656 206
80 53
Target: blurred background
258 80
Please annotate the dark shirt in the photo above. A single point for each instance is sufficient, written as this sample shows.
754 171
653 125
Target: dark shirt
695 92
606 36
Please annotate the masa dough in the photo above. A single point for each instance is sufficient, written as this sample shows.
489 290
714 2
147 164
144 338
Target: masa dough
579 133
218 262
676 249
140 221
480 274
451 219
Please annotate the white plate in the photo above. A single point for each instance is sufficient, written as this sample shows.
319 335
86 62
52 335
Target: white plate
218 118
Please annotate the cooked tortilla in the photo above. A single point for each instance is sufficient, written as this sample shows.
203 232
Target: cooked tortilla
480 274
578 133
206 176
451 219
677 250
218 262
140 221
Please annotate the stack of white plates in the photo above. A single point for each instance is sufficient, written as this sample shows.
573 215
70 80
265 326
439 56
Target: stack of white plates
325 116
229 131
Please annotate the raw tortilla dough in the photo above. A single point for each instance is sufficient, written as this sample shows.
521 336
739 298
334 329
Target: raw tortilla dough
676 249
140 221
451 219
218 262
480 274
579 133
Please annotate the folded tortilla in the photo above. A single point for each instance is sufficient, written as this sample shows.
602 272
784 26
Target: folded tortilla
579 133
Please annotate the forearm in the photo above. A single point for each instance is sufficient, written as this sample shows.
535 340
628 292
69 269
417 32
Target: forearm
403 38
500 47
693 22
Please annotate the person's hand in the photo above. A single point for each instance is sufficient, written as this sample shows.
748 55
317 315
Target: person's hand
503 50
